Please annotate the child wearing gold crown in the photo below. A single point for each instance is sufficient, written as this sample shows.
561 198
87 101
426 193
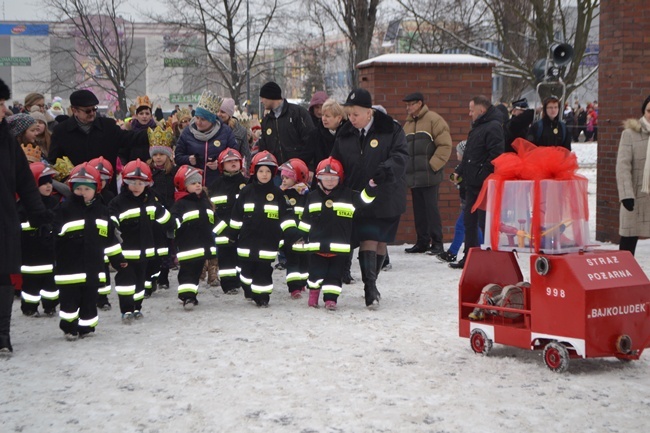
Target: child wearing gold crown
25 128
205 138
163 171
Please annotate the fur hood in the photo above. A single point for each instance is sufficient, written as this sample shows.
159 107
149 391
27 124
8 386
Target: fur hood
635 125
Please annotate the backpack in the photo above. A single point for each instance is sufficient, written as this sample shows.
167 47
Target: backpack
540 126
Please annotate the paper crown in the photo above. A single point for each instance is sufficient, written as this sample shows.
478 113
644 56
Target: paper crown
33 153
209 101
142 101
160 137
243 118
63 166
183 113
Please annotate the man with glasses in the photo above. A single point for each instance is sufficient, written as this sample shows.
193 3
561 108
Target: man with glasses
86 135
429 145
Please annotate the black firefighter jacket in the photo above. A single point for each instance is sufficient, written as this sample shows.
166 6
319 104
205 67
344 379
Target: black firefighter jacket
223 194
195 227
84 233
384 147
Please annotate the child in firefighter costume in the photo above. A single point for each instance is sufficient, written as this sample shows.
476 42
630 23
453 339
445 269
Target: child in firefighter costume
327 226
105 169
38 251
138 214
223 195
261 218
84 233
295 176
195 227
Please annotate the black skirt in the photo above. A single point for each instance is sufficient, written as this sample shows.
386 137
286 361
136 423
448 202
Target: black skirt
375 229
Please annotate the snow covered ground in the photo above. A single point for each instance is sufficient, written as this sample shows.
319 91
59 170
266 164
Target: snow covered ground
228 366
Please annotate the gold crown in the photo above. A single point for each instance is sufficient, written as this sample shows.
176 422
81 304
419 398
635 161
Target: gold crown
160 137
184 113
33 153
142 101
209 101
243 118
63 166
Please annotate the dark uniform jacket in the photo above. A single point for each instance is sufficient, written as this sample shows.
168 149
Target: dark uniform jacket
105 139
83 235
139 220
223 195
327 220
384 147
195 227
37 244
16 179
553 133
261 218
287 136
484 143
163 185
517 127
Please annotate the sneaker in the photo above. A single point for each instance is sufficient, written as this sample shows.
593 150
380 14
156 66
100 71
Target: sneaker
296 294
446 257
313 298
127 318
34 314
50 313
387 267
189 303
105 307
164 285
330 305
459 265
137 315
71 337
87 334
280 266
234 291
5 352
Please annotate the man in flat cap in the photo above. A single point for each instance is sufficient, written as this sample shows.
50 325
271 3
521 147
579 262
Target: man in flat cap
286 128
86 135
518 124
429 146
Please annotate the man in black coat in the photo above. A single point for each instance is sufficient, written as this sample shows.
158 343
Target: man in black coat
286 129
85 136
484 143
16 180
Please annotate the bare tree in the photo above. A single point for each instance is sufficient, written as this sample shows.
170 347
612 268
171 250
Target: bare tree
523 30
95 44
230 45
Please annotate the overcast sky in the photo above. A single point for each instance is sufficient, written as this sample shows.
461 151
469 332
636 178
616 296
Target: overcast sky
31 10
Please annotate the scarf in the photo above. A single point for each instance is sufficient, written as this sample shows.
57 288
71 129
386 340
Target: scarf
645 186
206 135
85 127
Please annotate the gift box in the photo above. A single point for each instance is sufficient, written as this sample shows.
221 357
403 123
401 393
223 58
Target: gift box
549 216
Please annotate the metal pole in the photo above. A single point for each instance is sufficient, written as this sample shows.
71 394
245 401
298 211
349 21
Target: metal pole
248 65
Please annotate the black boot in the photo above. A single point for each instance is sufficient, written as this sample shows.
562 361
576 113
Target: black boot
347 275
6 300
368 263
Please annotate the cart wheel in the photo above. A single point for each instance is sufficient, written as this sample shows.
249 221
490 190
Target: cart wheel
556 357
481 344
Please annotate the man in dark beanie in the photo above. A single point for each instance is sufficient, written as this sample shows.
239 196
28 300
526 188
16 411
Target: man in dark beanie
286 128
86 136
16 180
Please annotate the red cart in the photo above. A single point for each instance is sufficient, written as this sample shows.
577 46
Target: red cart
577 305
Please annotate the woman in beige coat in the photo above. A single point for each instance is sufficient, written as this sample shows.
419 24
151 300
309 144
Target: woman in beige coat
633 179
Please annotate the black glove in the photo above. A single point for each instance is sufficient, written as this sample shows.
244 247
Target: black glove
628 203
384 174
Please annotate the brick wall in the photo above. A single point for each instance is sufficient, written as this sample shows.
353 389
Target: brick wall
623 84
447 89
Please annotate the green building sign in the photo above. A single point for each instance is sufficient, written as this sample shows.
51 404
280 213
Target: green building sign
15 61
182 98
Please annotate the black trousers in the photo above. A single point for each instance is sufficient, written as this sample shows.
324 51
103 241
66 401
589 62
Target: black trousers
78 310
297 270
38 288
188 278
6 301
628 243
473 220
325 274
129 285
228 274
256 278
428 224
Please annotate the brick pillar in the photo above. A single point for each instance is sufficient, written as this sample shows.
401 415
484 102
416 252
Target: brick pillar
448 82
623 84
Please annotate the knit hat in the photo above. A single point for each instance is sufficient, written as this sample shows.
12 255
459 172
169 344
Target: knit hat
359 97
289 173
271 90
57 100
228 106
193 178
318 98
19 123
37 115
83 98
208 106
160 141
647 100
76 185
